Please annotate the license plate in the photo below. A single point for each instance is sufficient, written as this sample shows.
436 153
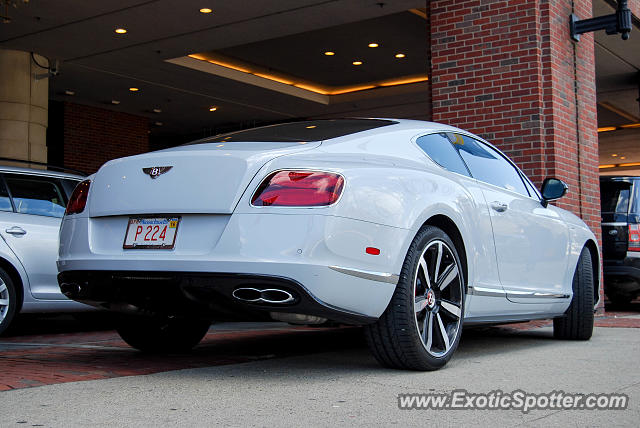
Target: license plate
151 232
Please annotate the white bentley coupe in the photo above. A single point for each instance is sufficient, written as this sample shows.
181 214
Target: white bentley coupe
408 228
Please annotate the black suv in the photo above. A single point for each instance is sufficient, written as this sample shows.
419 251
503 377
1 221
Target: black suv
620 198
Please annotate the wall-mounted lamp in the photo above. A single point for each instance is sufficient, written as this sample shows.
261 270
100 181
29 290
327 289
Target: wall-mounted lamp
619 22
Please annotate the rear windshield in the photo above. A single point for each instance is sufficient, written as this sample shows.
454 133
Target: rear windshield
614 196
311 130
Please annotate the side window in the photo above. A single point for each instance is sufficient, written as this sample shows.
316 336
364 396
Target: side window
68 185
36 195
488 165
614 196
5 202
439 148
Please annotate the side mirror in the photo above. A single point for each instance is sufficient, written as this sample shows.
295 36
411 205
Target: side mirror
553 189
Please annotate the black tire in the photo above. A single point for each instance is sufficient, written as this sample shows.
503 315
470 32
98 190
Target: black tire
577 322
8 301
162 335
411 332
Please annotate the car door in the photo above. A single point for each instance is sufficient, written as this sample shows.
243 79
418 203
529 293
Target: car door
439 148
31 229
531 241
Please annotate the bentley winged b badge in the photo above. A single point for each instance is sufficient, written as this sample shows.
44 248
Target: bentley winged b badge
155 171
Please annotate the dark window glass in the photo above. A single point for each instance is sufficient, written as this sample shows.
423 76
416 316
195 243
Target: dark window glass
439 148
310 130
5 202
487 164
36 195
68 185
615 196
635 198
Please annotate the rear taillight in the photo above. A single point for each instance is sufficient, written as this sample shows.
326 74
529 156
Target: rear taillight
299 189
78 198
634 237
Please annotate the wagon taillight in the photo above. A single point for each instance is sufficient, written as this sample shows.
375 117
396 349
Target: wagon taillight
634 237
78 199
299 188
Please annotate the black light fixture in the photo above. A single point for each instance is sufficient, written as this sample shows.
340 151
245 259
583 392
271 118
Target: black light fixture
4 8
619 22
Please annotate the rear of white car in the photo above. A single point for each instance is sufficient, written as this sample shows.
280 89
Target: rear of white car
212 229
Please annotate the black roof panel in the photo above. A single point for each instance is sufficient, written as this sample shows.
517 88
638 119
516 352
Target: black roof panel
310 130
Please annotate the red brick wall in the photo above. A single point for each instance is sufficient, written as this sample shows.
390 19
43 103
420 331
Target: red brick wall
93 136
634 6
506 70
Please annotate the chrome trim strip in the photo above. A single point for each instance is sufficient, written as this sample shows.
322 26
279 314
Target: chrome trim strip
374 276
614 223
486 291
535 295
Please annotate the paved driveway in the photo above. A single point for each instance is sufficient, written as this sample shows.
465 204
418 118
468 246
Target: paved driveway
277 375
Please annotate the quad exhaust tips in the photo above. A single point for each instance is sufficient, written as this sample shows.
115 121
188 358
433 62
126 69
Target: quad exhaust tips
272 296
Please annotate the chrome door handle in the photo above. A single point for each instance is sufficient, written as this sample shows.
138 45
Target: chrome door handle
499 206
16 230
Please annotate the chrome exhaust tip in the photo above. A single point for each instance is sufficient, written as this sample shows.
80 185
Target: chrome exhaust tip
70 290
267 295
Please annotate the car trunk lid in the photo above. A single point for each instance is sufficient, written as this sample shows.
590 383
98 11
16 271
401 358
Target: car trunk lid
202 178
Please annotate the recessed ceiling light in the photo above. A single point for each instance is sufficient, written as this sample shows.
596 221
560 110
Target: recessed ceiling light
205 10
115 102
213 108
615 155
400 55
329 53
120 31
373 45
157 110
357 63
134 89
68 92
311 126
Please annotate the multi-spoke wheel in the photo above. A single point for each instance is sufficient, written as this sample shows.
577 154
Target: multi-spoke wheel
438 298
8 301
421 327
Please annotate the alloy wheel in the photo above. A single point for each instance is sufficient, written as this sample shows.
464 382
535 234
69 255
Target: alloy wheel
4 300
438 295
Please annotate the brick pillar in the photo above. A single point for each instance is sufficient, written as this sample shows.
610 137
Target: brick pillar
508 71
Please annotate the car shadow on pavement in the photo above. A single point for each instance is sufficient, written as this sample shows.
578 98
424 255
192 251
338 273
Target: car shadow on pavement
65 351
43 324
343 353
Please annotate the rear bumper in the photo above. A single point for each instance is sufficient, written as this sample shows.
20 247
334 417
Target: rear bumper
204 295
622 278
322 256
